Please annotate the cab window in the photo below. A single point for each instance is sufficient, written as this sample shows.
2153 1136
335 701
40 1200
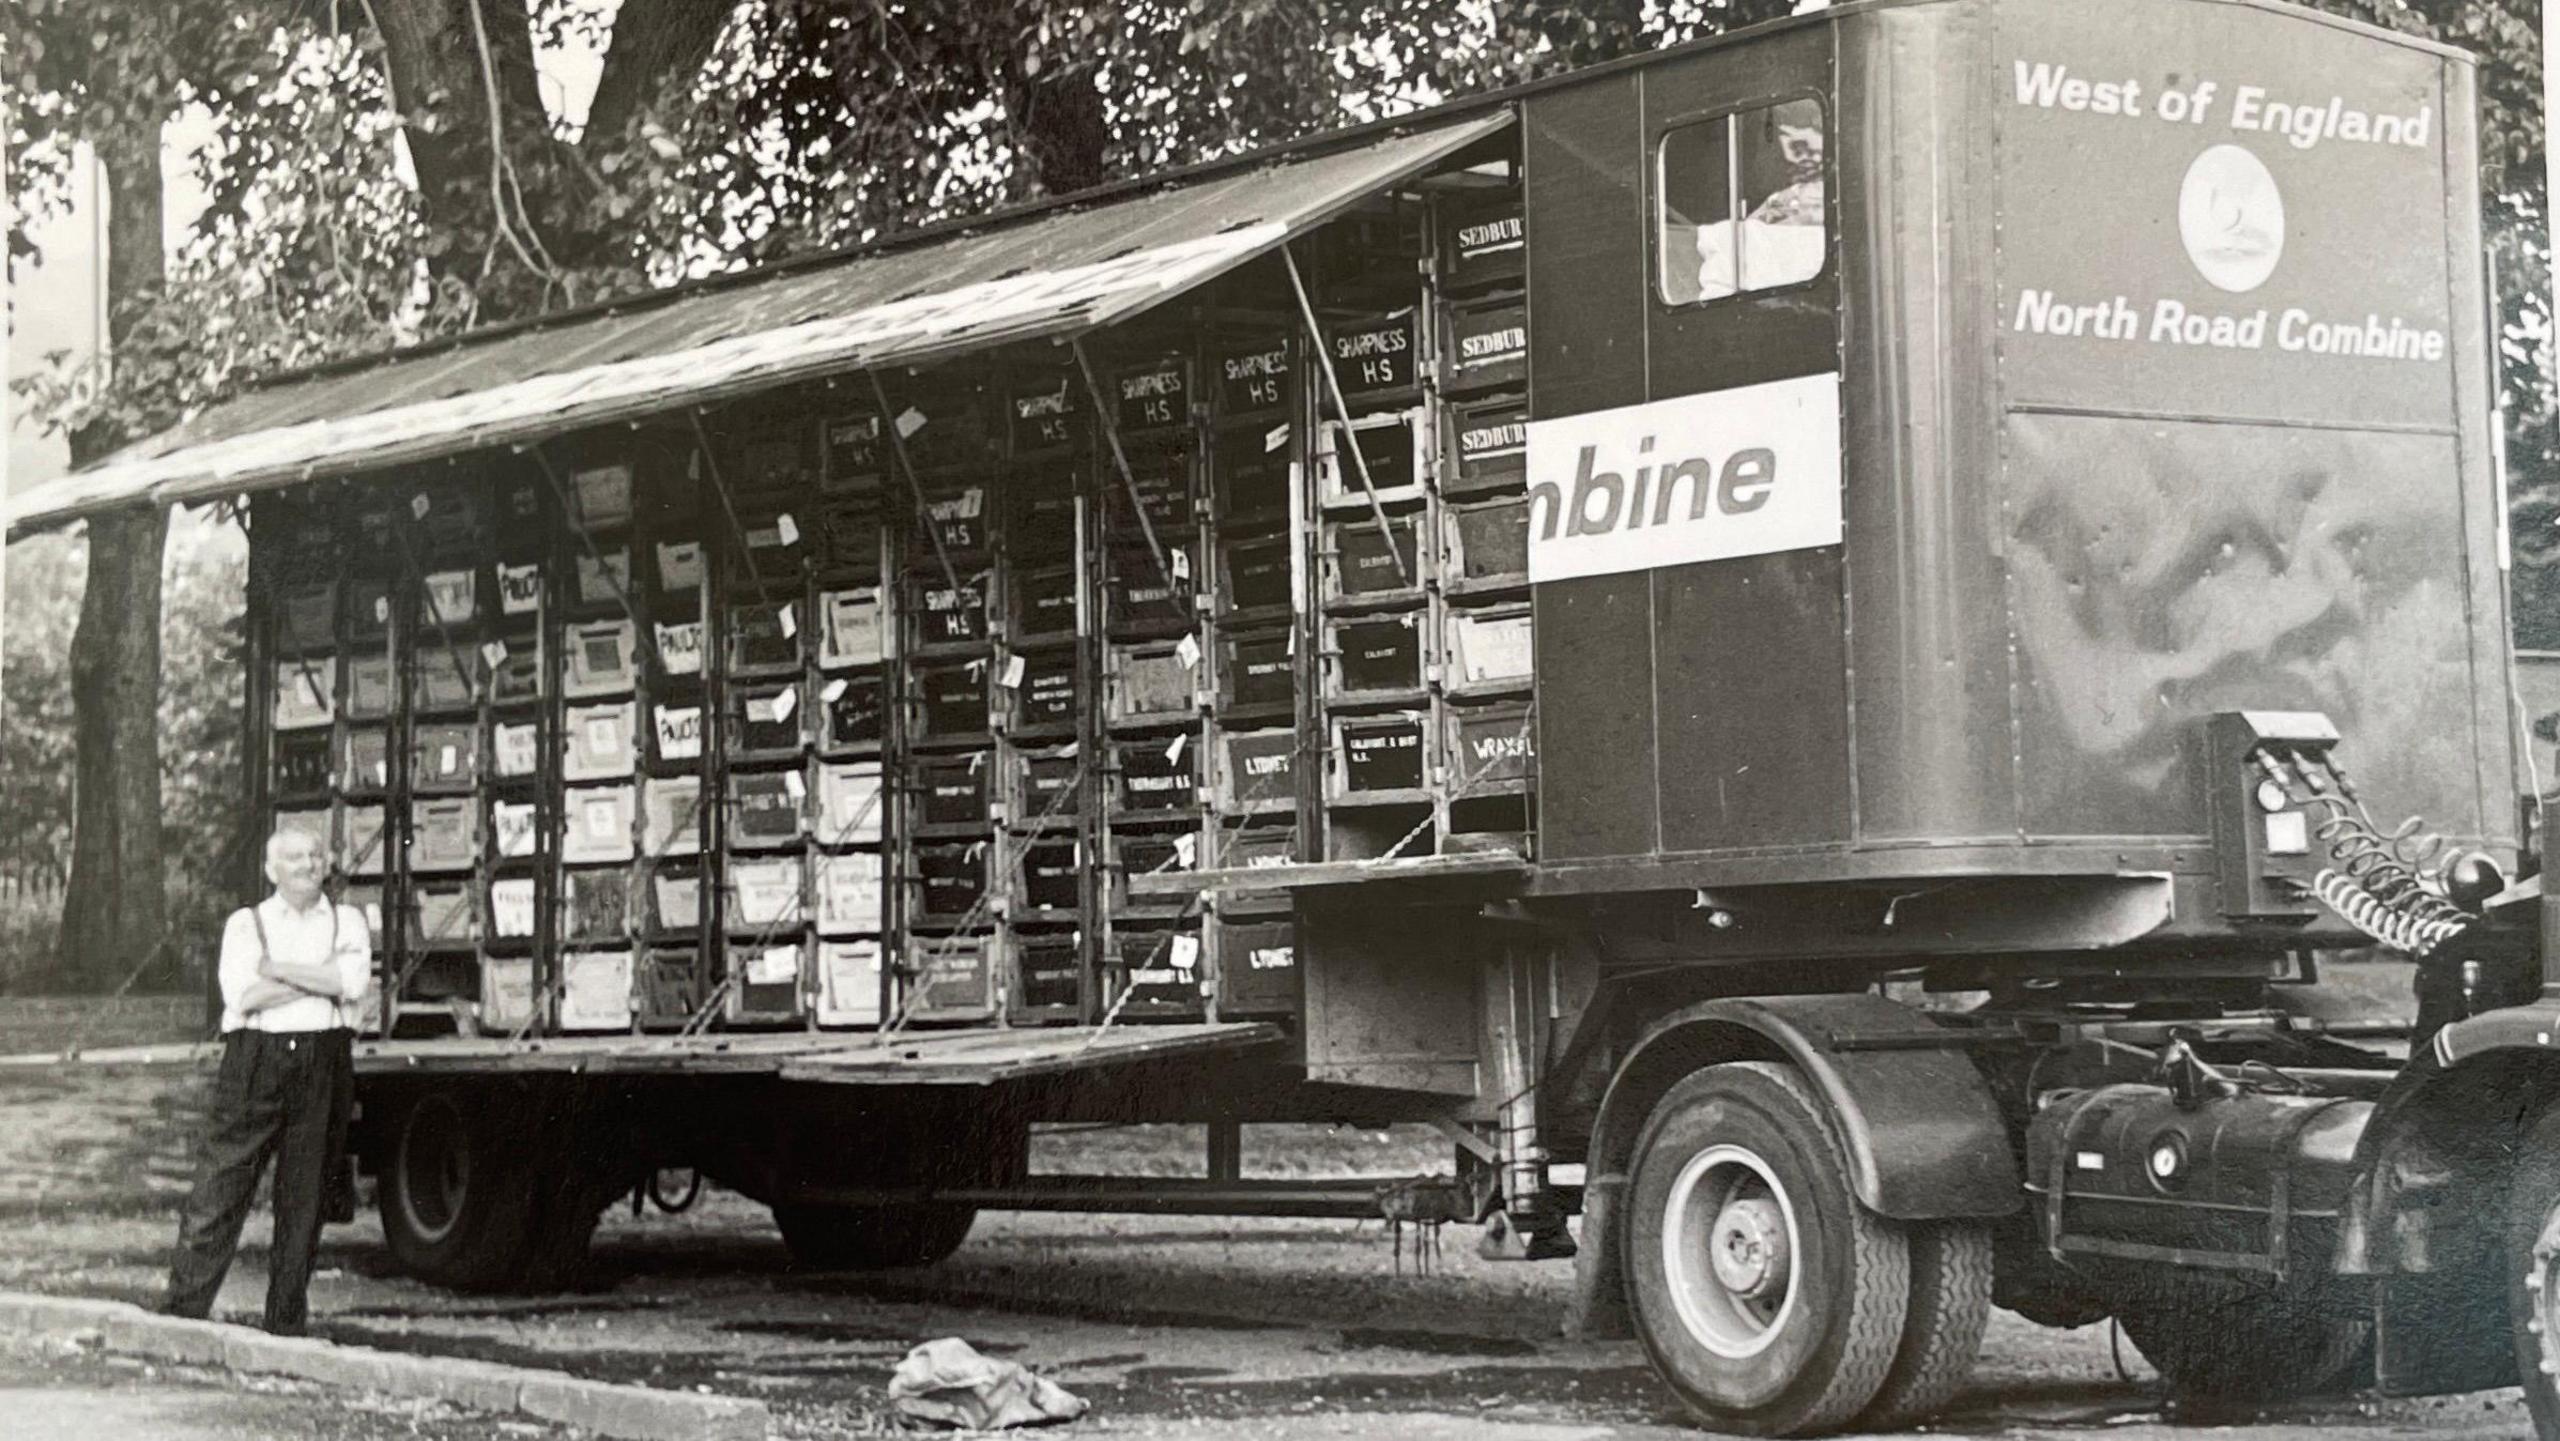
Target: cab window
1740 202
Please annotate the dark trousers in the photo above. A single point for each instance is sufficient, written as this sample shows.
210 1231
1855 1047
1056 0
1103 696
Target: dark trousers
286 1094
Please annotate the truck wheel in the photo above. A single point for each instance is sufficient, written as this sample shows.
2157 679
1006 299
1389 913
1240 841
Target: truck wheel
455 1206
2533 1270
1765 1295
872 1238
2235 1345
1951 1273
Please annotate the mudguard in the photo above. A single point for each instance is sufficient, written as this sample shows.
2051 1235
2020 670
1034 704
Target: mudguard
2531 1027
1925 1140
2456 1110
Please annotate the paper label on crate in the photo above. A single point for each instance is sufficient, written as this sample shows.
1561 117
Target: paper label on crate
1186 953
511 907
792 783
519 588
1187 650
447 761
1173 752
1753 470
418 506
514 824
515 750
784 703
774 966
1184 849
493 653
1011 676
679 732
382 610
1274 438
1181 563
680 647
834 691
787 528
789 621
910 420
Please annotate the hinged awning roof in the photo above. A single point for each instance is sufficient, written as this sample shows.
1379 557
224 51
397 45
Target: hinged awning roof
1058 269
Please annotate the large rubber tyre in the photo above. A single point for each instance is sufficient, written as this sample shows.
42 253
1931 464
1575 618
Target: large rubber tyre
2533 1270
1767 1298
456 1202
2228 1344
1951 1273
872 1238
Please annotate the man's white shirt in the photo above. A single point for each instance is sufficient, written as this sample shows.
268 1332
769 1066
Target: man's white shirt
326 932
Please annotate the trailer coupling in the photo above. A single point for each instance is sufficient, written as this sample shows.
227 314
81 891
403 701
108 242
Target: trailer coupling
2291 835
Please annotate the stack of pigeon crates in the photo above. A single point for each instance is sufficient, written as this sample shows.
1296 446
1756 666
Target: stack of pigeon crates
1373 498
325 774
379 714
677 879
601 834
767 460
1152 560
850 613
862 703
946 864
1260 755
1482 698
1042 775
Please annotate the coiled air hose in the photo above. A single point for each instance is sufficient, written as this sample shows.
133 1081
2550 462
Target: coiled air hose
2376 884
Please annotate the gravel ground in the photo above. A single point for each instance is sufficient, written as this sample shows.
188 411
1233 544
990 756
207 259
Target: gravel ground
1264 1329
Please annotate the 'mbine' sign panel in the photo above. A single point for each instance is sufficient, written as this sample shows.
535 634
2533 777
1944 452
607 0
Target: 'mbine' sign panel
1749 471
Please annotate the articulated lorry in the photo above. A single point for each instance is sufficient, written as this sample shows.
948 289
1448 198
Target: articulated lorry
1803 641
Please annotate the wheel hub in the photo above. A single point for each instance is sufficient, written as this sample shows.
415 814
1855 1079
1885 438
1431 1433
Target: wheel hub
1749 1248
1729 1249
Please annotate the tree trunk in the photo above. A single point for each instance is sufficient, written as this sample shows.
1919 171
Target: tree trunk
116 905
1062 124
432 51
441 56
658 47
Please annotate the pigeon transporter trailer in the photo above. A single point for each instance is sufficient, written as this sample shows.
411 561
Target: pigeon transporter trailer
1790 638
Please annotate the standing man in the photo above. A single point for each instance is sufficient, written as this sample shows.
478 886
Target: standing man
294 971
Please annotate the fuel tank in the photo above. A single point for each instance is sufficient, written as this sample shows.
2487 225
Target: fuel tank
2249 1182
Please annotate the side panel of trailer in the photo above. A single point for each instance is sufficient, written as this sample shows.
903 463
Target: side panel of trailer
2101 468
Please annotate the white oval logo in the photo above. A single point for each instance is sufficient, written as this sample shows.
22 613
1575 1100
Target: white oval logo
2231 216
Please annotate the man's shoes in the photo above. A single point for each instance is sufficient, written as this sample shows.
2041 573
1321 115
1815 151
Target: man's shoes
285 1328
166 1307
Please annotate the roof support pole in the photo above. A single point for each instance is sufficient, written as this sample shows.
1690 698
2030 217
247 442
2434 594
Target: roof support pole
1109 420
1341 409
